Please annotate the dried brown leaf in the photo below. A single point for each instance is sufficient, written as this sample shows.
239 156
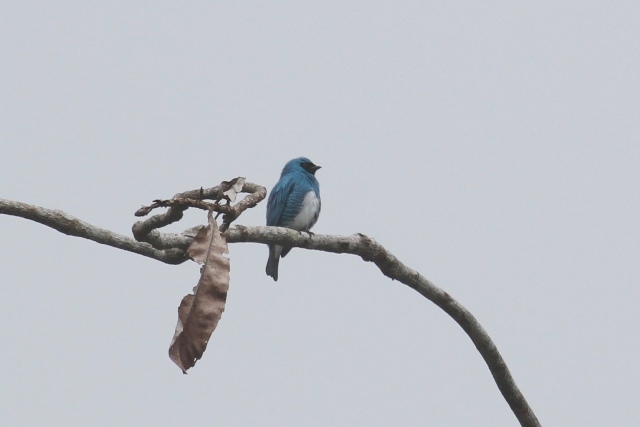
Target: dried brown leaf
199 247
199 313
236 187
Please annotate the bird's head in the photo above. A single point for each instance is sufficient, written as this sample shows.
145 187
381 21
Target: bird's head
301 164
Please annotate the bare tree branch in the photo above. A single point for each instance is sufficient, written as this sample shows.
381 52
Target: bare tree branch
72 226
370 250
171 249
146 231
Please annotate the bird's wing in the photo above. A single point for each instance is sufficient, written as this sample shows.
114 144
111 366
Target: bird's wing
278 200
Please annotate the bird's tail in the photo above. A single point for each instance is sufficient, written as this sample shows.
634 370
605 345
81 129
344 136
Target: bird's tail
272 263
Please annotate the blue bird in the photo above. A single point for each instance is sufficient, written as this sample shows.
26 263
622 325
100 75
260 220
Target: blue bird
294 203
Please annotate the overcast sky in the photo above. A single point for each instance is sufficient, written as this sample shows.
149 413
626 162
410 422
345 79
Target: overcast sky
492 146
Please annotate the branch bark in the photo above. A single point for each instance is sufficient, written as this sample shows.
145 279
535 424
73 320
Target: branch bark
171 249
371 251
72 226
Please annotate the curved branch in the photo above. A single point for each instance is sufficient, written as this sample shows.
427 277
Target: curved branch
370 250
357 244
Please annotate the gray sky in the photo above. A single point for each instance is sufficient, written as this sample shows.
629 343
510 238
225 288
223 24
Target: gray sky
493 147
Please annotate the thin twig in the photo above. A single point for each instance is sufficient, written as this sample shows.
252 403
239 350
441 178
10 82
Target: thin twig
147 230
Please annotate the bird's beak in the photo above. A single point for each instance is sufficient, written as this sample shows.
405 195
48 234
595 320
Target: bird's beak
315 168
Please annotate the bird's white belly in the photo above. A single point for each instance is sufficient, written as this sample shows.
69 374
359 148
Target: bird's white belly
308 215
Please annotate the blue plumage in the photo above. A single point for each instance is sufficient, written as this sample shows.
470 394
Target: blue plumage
294 203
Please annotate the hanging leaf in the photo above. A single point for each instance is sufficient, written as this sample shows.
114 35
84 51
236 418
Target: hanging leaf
199 313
